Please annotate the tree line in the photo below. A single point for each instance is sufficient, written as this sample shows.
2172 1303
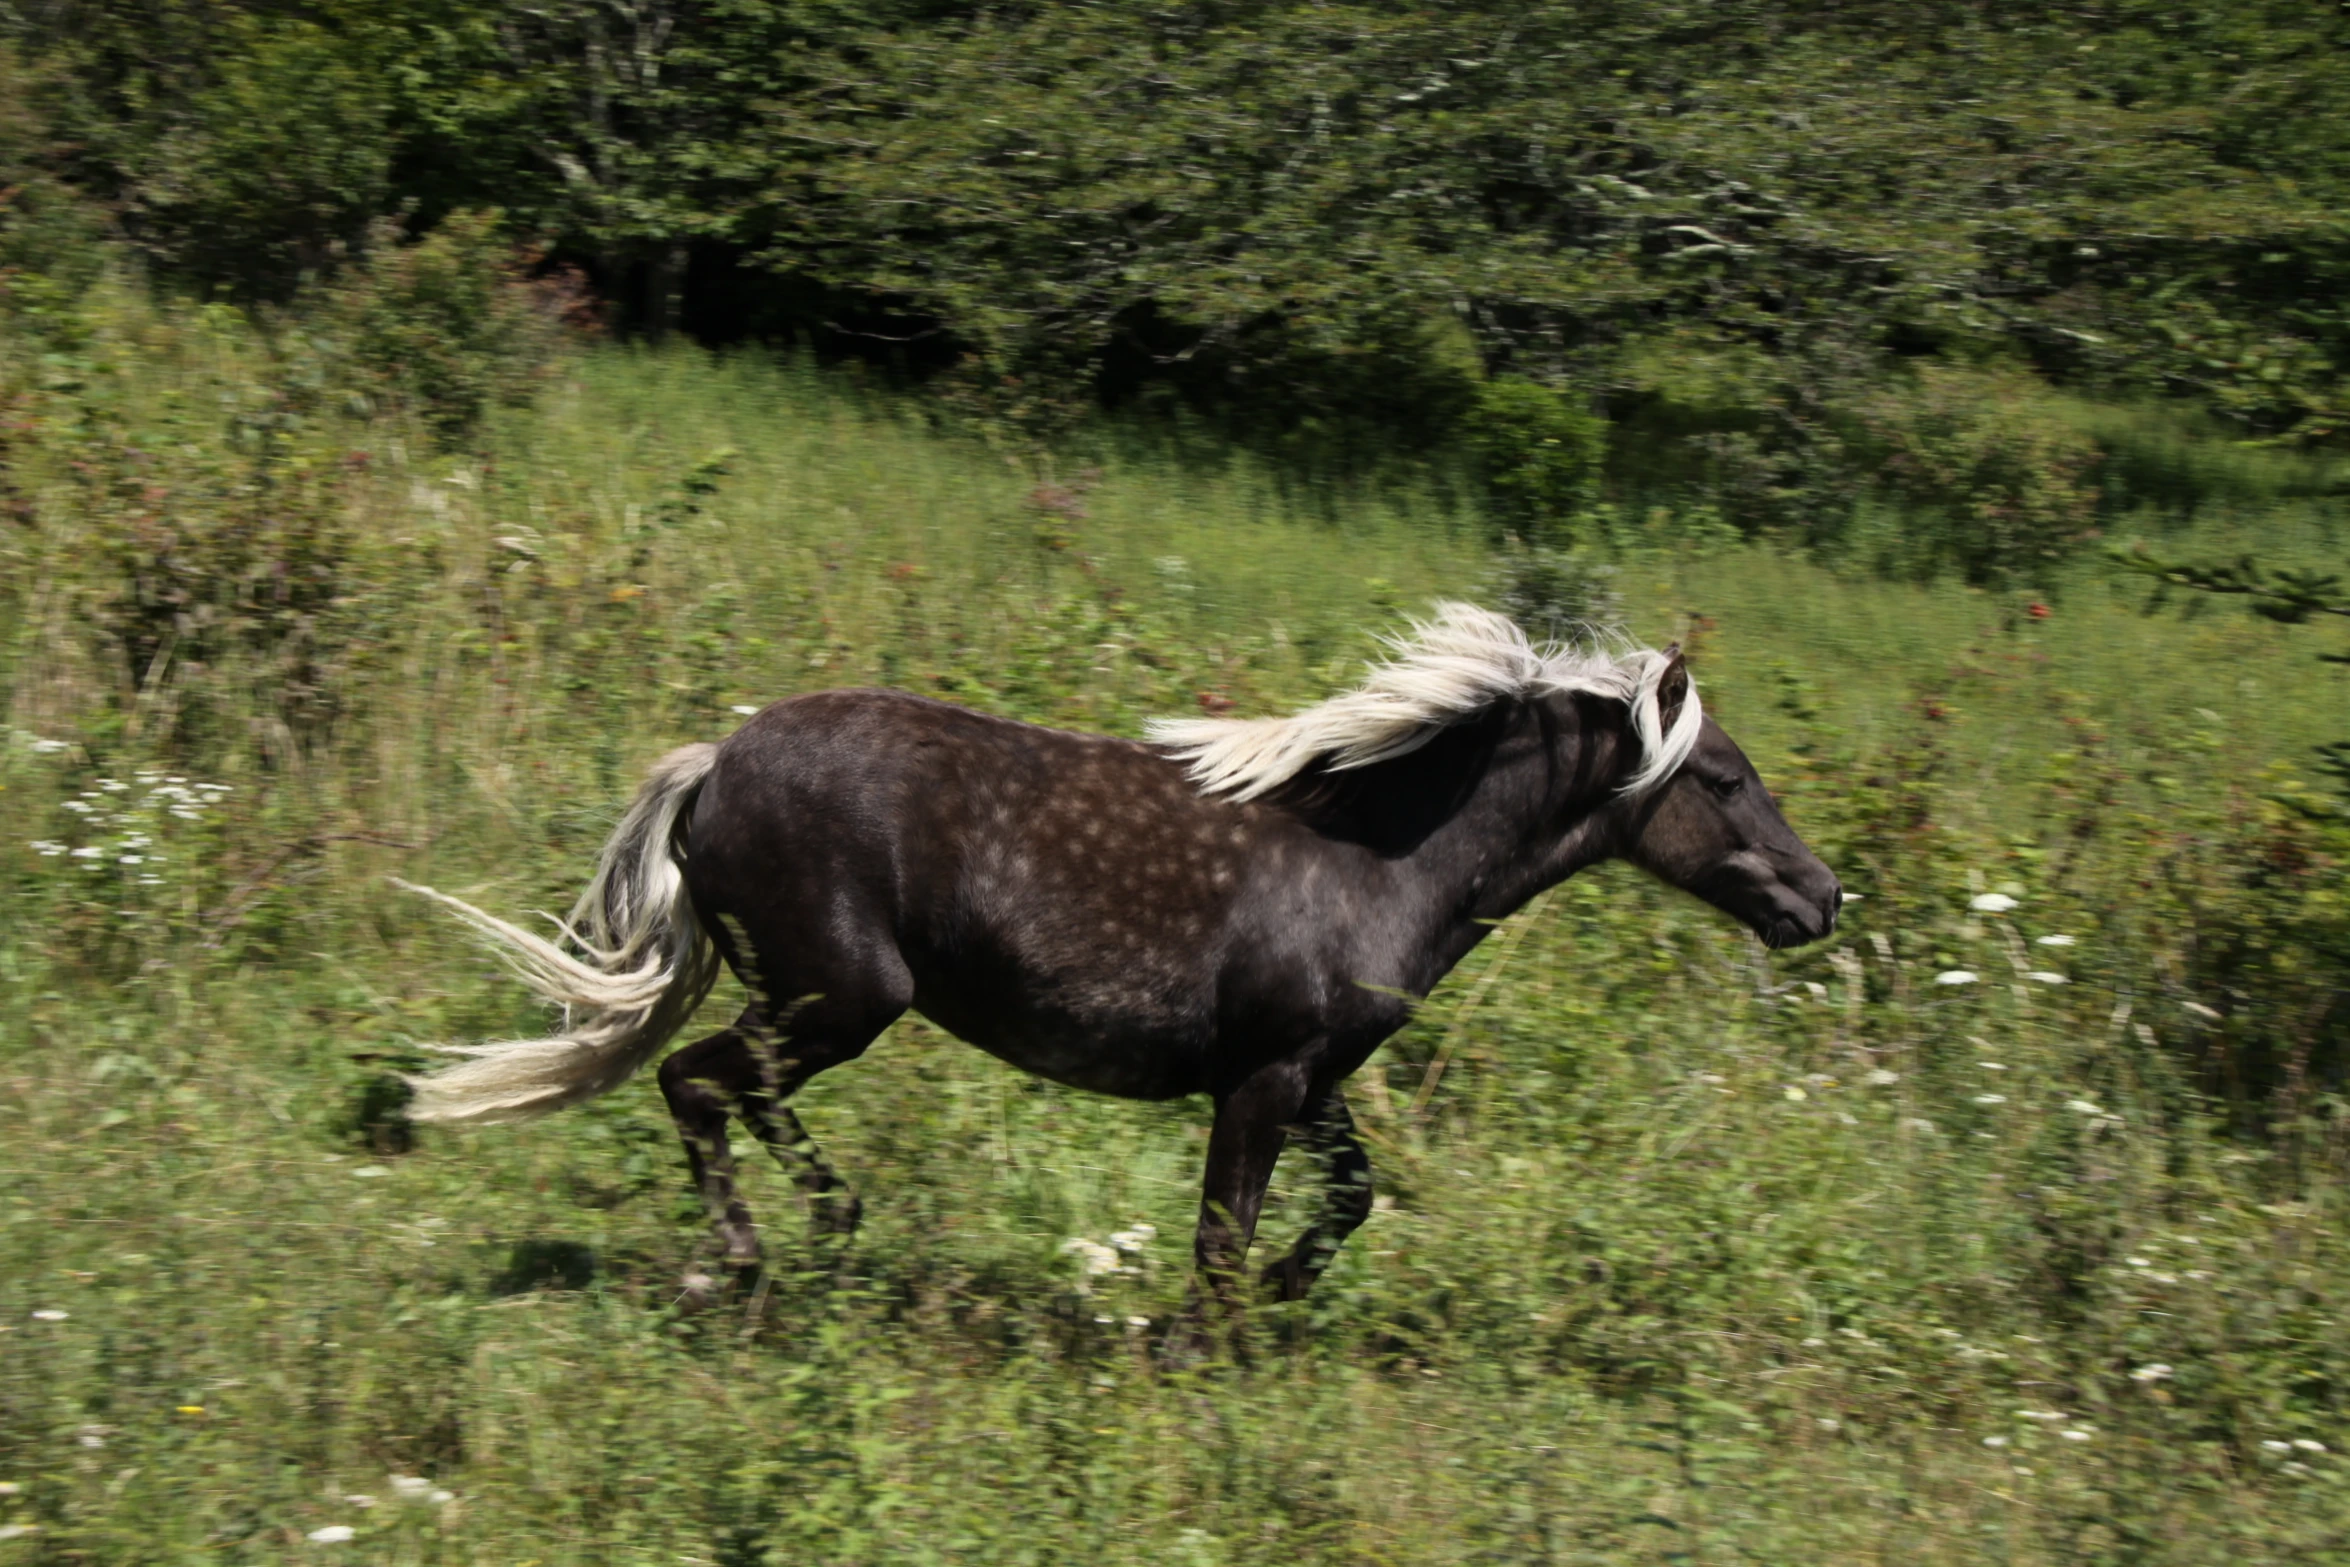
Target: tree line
1738 225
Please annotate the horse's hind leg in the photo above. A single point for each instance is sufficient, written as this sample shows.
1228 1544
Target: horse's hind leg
748 1070
782 1070
1329 1134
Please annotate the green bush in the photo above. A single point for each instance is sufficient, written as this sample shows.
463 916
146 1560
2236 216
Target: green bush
451 325
50 238
1539 453
275 169
2000 488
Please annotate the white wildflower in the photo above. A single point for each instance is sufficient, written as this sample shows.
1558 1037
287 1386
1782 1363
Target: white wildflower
1991 903
2308 1446
332 1534
1956 976
2044 1415
360 1500
1092 1257
408 1488
45 848
49 747
2043 976
15 1531
50 1315
1995 1441
2278 1447
1795 1093
131 859
1880 1078
2084 1107
88 851
1992 1066
10 1488
743 709
440 1498
2076 1433
2200 1010
1918 1124
2138 1262
2157 1372
2056 941
1990 1099
1133 1238
1138 1322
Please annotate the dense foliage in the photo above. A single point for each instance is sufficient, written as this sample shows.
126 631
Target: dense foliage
1722 219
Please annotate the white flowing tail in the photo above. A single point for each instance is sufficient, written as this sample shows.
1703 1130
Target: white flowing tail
643 965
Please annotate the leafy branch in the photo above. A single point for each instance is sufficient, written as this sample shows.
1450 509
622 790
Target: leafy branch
2288 596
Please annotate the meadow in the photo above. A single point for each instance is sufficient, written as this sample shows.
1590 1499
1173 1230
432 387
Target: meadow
1685 1251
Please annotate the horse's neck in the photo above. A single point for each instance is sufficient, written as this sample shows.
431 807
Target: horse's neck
1533 818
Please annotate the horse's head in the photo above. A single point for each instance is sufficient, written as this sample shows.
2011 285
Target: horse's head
1712 829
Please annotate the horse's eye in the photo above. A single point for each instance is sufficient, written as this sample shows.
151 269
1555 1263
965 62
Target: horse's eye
1726 787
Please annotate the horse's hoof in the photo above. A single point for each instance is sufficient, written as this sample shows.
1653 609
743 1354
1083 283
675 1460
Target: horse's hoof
1187 1344
698 1291
1284 1280
742 1250
836 1213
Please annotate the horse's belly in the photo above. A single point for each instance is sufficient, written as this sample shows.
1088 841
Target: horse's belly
1105 1051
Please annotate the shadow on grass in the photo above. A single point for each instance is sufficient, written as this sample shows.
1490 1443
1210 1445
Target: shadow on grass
546 1265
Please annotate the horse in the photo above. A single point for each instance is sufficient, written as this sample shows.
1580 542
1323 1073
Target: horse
1240 908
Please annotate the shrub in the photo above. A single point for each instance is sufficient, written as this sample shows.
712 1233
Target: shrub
1557 592
450 325
273 171
2001 488
1539 453
50 249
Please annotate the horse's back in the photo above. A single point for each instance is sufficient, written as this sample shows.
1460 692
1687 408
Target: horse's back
1058 899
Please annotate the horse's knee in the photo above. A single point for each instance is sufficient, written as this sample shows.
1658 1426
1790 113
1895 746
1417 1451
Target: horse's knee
687 1087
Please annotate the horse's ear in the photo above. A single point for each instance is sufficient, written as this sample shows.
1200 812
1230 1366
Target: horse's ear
1672 687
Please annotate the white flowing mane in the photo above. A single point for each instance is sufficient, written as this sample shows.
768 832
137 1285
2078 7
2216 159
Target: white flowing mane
1449 668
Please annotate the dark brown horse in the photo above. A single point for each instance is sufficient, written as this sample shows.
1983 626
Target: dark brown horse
1239 909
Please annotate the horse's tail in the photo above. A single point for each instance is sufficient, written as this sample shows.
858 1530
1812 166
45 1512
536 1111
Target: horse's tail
643 965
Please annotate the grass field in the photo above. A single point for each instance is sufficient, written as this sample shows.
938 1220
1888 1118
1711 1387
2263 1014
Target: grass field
1685 1251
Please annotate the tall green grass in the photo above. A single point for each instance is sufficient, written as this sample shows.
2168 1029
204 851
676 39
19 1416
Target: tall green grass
1685 1251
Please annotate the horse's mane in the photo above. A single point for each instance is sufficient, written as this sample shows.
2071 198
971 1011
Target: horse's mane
1450 668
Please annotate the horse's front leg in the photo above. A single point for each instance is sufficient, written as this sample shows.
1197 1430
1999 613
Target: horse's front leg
1329 1134
1252 1122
